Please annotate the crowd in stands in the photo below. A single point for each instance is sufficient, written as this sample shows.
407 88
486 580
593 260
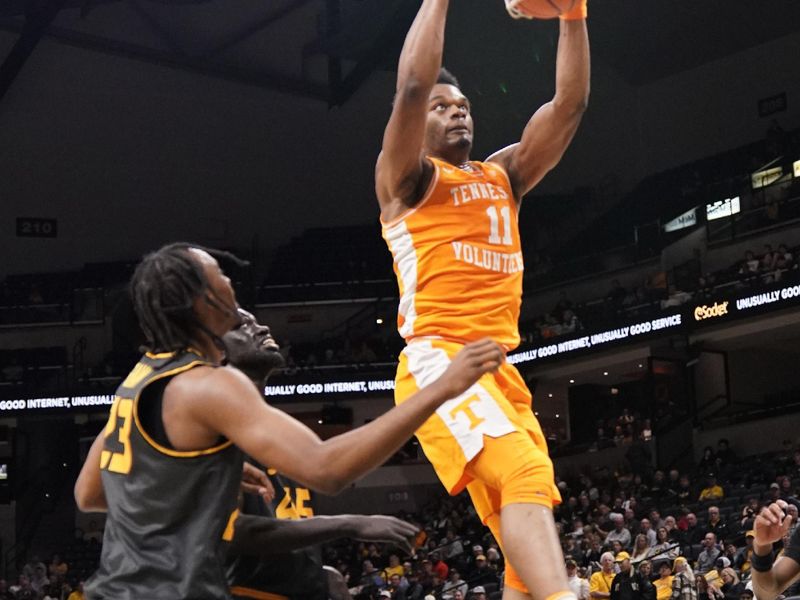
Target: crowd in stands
688 535
624 430
37 581
770 266
684 535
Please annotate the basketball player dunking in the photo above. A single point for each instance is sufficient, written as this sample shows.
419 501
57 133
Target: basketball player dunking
451 226
167 467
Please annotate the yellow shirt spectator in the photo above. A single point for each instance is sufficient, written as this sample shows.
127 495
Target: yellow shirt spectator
663 587
601 582
712 492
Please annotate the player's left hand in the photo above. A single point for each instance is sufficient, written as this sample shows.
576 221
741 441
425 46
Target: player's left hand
379 528
255 481
772 523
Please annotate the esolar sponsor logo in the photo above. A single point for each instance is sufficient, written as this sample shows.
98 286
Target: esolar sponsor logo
718 309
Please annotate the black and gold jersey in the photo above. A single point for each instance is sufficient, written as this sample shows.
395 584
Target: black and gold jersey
297 575
169 511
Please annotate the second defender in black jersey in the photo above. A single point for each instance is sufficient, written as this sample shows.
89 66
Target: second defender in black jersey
297 574
185 304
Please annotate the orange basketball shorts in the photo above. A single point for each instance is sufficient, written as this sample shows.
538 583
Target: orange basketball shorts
487 439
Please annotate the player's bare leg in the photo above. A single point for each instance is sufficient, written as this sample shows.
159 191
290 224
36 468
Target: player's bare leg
531 544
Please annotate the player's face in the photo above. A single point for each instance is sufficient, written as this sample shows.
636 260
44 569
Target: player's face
218 309
449 122
250 346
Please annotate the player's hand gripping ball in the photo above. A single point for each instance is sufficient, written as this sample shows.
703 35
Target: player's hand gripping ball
546 9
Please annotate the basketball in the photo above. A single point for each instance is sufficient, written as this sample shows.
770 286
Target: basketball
539 9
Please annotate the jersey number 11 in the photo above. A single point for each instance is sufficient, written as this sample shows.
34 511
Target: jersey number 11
494 225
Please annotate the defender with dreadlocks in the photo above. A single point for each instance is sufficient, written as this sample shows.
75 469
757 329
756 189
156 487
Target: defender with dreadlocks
167 467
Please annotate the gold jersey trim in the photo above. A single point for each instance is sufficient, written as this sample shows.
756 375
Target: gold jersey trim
238 590
155 445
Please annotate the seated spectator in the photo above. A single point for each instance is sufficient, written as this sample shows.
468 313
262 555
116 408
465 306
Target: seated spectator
414 591
713 577
453 584
787 492
784 259
483 573
716 525
655 518
693 533
749 513
646 529
572 550
684 586
619 533
394 568
709 555
664 582
478 593
702 589
767 260
731 588
370 576
684 494
600 582
712 492
743 555
594 552
641 548
647 591
663 549
440 567
749 266
23 590
578 585
570 322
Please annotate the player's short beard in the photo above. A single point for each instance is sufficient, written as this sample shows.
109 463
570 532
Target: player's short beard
259 364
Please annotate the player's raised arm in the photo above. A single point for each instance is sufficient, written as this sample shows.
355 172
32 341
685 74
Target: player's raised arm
400 165
227 402
550 130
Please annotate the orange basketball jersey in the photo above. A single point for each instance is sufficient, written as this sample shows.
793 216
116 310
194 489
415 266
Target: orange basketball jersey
458 259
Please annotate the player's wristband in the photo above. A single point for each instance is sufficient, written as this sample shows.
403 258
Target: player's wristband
762 564
578 12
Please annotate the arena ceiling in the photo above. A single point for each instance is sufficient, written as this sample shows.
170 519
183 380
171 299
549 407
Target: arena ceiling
325 49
